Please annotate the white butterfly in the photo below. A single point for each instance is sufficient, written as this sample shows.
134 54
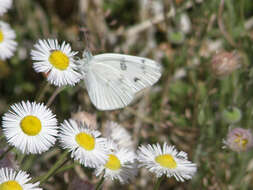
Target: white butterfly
113 79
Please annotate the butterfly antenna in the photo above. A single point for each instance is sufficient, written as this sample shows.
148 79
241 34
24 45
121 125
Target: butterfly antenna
87 51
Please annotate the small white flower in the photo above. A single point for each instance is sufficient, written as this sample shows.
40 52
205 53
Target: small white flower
30 127
57 61
119 135
85 144
7 43
120 165
167 161
16 180
4 6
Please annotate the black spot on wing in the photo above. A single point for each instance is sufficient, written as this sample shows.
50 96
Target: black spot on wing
143 66
136 79
123 66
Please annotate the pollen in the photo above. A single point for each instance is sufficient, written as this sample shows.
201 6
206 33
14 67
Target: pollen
10 185
166 161
30 125
86 141
59 60
241 141
1 36
113 163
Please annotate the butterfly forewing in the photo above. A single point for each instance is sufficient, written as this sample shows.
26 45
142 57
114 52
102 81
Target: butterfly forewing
113 79
141 72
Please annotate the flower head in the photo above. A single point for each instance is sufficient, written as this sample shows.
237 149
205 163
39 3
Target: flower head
7 43
239 139
120 164
57 61
224 63
4 6
119 135
167 161
30 127
85 144
13 180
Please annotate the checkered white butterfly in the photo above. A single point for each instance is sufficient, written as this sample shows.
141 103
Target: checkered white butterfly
113 79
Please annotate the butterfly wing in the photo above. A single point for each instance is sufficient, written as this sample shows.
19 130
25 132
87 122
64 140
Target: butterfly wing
113 79
106 88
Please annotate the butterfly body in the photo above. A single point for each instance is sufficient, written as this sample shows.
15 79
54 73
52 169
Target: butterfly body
113 79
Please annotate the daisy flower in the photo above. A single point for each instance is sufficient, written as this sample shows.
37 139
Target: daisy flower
119 135
11 179
4 6
120 164
85 144
167 161
7 43
31 127
57 61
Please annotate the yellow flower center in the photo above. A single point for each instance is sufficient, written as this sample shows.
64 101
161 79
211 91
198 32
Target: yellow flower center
10 185
85 140
113 163
241 142
1 36
59 60
166 161
30 125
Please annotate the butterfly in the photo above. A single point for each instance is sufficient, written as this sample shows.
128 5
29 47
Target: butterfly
112 79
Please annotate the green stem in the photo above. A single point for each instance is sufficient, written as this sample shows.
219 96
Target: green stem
26 161
157 185
54 168
242 10
70 166
2 137
56 92
99 185
21 159
42 92
8 150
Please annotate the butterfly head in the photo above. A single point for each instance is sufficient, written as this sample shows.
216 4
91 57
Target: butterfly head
84 62
87 55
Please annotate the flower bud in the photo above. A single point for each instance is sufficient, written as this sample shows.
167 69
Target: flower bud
84 117
8 160
224 63
239 139
232 115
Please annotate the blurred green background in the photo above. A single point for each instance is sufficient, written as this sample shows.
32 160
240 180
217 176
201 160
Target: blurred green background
185 108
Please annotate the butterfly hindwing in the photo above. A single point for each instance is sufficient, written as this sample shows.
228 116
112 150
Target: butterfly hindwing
106 89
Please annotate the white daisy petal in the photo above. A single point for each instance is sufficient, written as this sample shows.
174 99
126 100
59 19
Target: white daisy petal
30 127
18 180
85 144
7 43
167 161
4 6
57 61
120 165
